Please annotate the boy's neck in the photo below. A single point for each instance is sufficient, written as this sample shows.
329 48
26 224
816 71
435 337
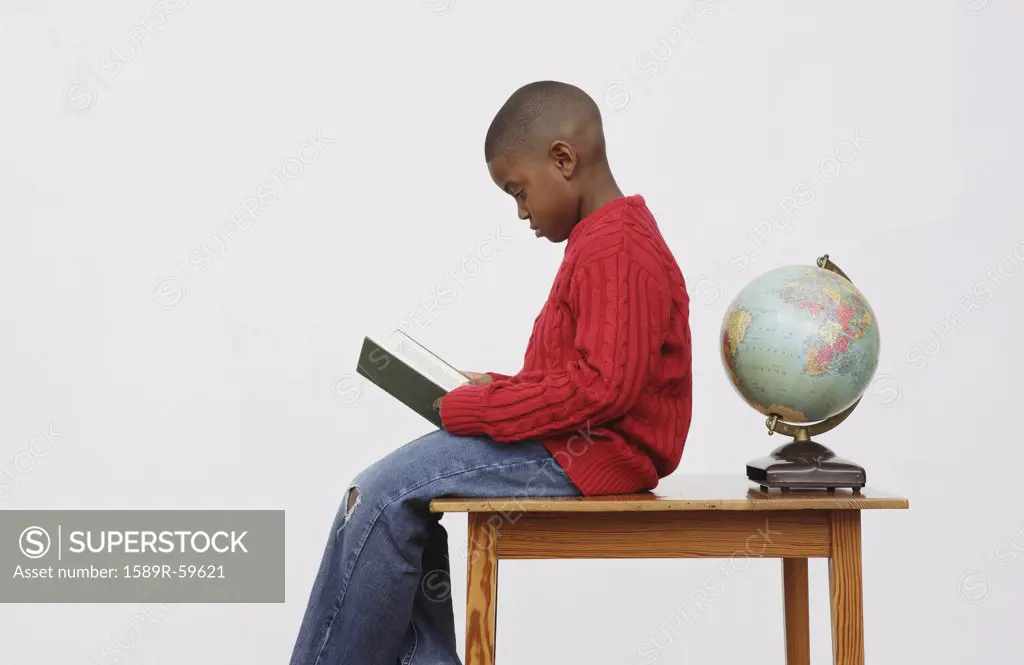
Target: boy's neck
604 191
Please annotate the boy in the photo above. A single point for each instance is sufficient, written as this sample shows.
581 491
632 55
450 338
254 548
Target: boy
601 406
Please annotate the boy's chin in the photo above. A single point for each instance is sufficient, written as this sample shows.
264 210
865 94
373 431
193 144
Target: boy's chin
555 235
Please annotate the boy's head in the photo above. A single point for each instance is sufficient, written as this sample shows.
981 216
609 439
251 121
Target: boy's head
545 147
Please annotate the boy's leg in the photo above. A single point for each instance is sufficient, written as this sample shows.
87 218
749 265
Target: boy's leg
379 596
430 638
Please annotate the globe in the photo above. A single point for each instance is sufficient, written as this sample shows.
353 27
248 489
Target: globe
801 343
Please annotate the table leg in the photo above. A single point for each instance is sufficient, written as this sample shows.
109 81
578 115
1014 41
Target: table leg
481 590
846 588
798 634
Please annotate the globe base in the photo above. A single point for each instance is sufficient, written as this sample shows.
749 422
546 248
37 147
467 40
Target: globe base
805 464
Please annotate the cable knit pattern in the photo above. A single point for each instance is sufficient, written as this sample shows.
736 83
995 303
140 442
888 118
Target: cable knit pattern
606 382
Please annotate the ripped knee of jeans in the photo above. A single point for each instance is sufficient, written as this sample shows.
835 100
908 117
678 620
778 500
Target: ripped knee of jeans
351 501
348 507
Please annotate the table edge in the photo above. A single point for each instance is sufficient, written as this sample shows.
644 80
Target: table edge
542 505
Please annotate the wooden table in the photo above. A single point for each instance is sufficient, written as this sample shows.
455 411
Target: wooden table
687 516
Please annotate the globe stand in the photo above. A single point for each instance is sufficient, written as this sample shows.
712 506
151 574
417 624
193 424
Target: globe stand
804 463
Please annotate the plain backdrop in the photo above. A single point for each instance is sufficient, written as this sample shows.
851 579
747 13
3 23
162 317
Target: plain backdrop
181 371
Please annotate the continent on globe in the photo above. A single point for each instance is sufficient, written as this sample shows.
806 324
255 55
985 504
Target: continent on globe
844 319
735 327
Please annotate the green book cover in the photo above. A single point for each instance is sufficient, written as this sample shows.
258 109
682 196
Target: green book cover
409 372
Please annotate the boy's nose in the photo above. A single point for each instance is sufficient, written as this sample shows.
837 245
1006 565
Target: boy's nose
524 214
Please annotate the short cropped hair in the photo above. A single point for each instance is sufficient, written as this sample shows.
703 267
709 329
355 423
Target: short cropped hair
539 111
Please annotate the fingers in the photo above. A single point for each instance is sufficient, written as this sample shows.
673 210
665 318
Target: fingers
478 378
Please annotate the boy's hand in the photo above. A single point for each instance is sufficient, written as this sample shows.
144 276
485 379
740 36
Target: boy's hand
478 379
475 379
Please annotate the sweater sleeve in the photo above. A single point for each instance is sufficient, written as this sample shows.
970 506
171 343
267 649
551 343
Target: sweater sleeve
621 316
498 376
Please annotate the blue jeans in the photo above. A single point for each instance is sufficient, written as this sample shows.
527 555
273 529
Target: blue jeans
382 595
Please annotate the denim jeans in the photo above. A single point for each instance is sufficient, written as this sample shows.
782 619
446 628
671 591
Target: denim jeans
382 595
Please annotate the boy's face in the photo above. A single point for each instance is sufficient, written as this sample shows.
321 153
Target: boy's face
542 189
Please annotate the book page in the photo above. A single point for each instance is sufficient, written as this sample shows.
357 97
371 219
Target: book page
426 363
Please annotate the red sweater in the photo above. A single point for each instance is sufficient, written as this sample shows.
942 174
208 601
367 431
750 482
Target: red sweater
605 384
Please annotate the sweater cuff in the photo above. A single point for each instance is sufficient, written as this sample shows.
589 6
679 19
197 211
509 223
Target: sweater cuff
460 410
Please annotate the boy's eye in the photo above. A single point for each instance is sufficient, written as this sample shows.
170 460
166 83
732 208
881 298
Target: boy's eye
521 195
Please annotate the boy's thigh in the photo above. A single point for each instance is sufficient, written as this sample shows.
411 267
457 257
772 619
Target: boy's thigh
443 464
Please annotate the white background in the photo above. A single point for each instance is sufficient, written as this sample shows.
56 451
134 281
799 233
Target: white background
232 386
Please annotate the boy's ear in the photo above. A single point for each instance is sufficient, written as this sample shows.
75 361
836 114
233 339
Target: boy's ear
565 158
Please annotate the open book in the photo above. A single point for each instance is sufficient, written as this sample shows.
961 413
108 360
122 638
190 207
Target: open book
410 373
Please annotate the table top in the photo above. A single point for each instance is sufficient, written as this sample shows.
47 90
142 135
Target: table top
684 492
